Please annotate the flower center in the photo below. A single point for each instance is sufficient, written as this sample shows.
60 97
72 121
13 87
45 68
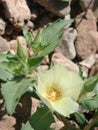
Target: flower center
53 93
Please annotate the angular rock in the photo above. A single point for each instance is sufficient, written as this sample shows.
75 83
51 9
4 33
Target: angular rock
88 62
42 68
93 5
61 59
13 44
94 70
34 14
66 47
29 25
46 61
2 26
4 46
35 104
85 71
57 125
7 123
87 38
56 7
16 11
45 20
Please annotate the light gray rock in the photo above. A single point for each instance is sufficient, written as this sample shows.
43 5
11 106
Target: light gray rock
66 47
87 35
42 68
4 46
2 26
29 25
16 11
59 58
88 62
56 6
91 4
7 123
94 70
13 44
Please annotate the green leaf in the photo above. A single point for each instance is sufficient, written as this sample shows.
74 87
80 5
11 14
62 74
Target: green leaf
8 62
22 52
28 36
13 64
90 84
80 119
89 98
36 44
51 35
7 57
4 75
46 40
41 120
13 90
90 102
81 73
34 62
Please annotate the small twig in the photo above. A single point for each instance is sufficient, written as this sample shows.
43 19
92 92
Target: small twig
84 13
91 123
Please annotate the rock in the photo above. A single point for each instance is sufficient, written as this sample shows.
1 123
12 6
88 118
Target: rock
88 62
67 17
56 7
57 126
4 46
85 71
45 20
29 25
46 60
93 5
61 59
2 26
86 43
34 14
42 68
35 104
16 11
94 70
66 47
7 123
13 44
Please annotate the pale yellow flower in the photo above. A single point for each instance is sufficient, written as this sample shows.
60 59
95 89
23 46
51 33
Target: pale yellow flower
59 88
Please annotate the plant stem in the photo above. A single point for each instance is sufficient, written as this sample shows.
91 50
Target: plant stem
91 123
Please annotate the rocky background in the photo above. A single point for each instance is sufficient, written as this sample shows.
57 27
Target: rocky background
78 47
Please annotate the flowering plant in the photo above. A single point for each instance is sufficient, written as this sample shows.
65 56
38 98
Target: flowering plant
62 92
59 88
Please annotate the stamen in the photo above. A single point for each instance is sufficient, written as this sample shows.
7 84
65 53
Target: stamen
53 93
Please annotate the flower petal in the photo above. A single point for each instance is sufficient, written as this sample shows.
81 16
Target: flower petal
65 106
46 102
45 79
69 81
